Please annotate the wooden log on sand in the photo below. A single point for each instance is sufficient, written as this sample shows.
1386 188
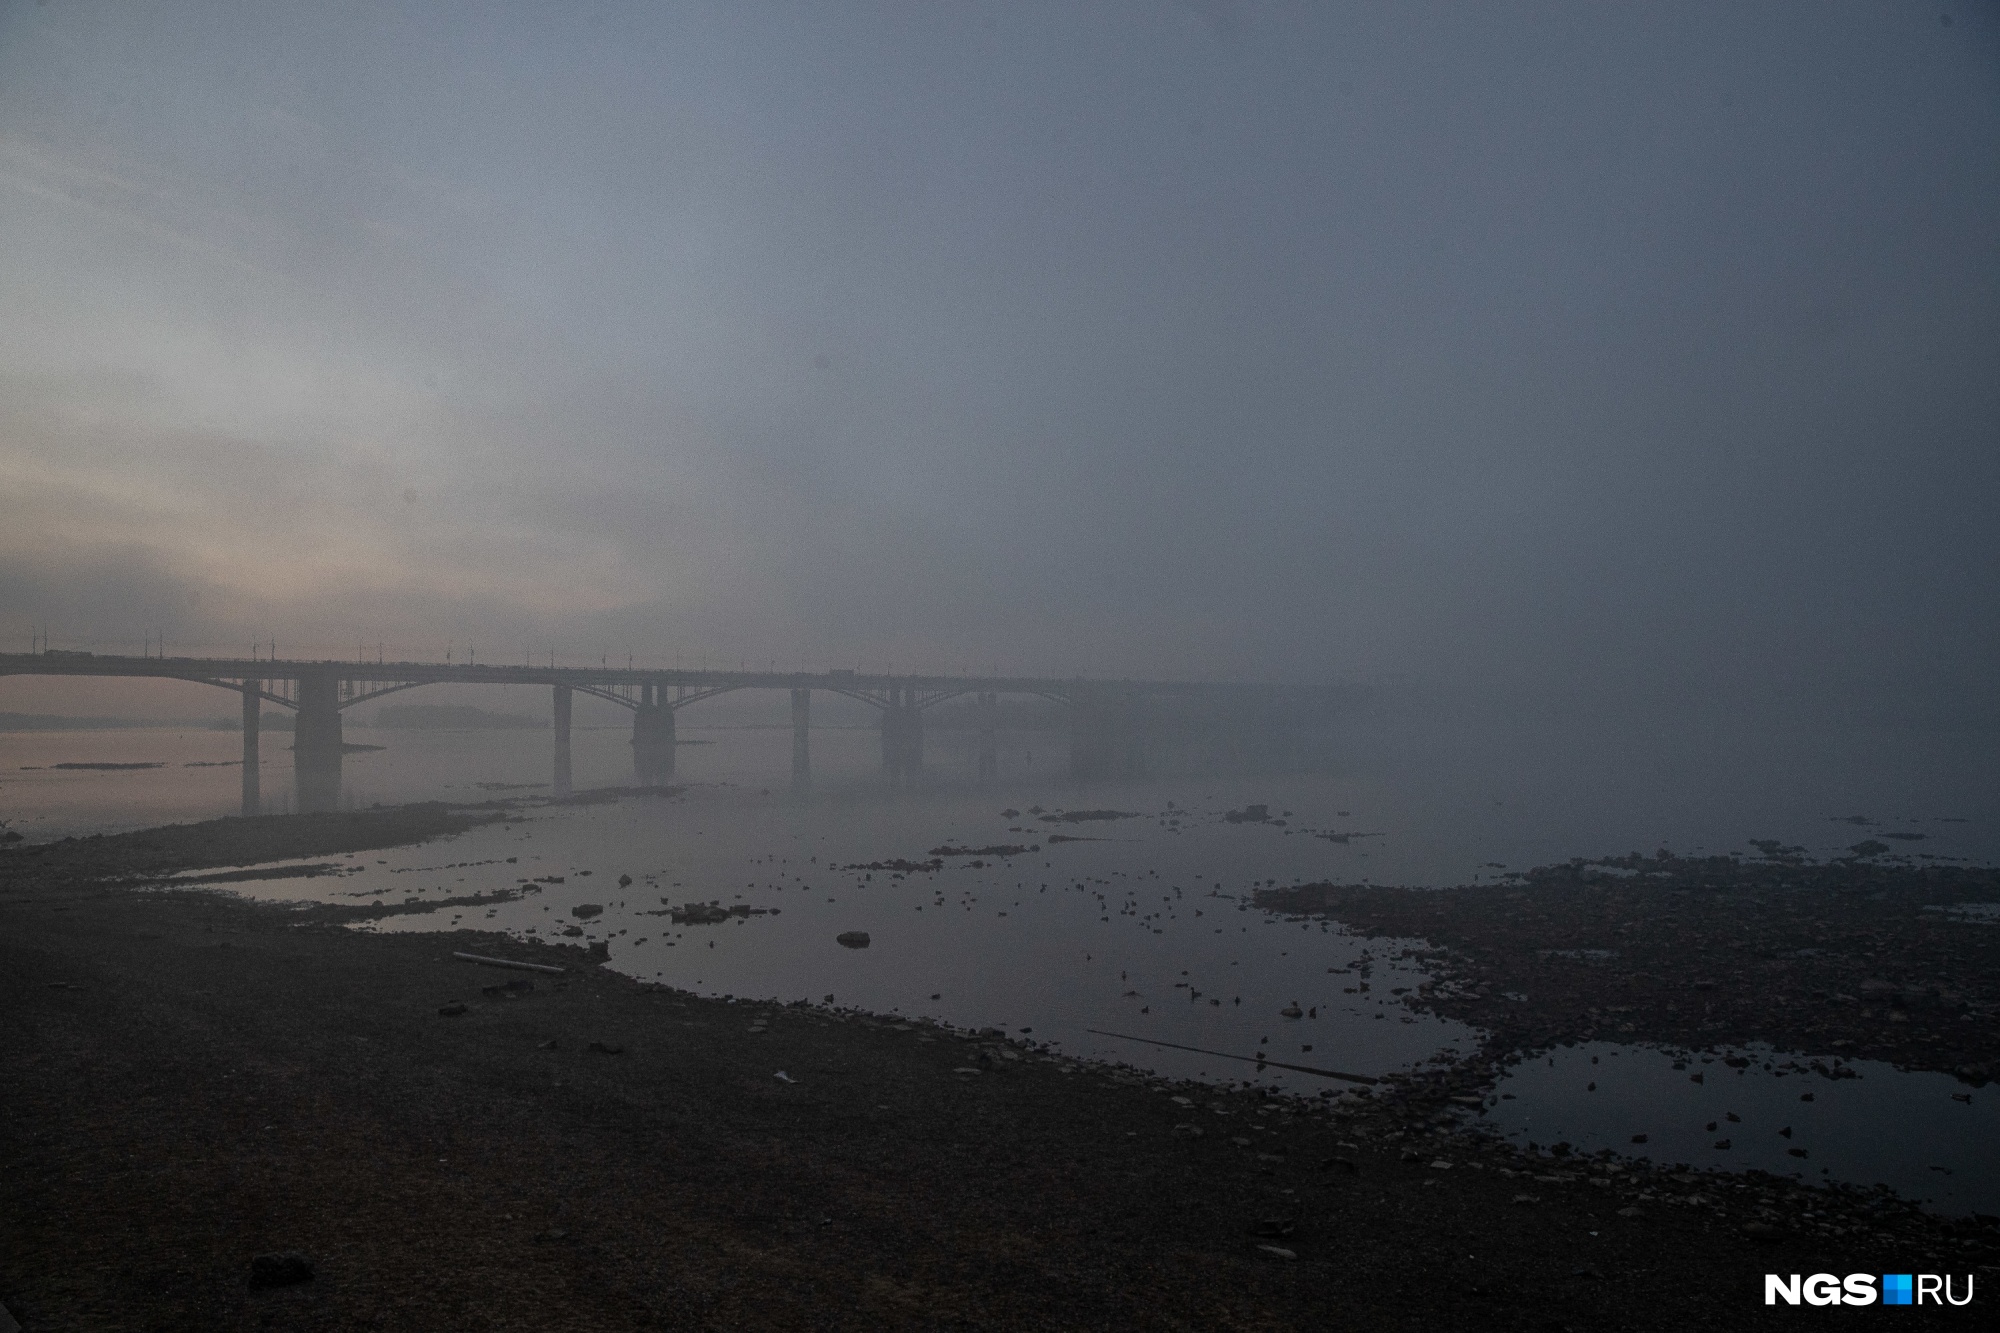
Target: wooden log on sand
507 962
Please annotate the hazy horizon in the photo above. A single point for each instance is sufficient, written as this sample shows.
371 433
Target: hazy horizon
1521 360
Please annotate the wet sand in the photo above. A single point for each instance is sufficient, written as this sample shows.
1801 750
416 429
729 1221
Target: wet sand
195 1080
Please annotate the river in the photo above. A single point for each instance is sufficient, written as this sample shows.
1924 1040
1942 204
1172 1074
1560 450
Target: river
1107 935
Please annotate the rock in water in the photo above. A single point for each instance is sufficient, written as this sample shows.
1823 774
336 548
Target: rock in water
852 939
280 1270
697 914
586 910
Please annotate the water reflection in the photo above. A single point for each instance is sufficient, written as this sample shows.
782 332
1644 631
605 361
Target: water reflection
1132 926
1138 926
1925 1135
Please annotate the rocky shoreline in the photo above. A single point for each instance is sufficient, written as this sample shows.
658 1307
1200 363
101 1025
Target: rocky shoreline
197 1081
1850 959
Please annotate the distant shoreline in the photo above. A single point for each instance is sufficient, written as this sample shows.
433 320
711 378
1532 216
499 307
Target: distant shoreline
53 722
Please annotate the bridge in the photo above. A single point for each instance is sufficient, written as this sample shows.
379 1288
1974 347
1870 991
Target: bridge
1104 715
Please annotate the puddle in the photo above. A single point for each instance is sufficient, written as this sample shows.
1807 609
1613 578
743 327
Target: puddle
1881 1125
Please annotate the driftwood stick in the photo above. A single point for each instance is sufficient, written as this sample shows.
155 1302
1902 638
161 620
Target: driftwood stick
507 962
1246 1059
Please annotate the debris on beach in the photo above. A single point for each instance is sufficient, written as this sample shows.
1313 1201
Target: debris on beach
508 963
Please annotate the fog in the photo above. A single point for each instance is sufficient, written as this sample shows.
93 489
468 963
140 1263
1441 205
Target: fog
1635 364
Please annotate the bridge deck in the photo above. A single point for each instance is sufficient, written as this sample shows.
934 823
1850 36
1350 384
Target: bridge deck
217 669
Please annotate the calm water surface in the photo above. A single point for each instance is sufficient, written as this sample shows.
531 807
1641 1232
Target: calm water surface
1137 927
1928 1136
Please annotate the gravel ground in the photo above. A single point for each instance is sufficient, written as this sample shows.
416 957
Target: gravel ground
194 1081
1852 958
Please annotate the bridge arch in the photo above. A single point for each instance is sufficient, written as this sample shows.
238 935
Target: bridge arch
696 696
607 694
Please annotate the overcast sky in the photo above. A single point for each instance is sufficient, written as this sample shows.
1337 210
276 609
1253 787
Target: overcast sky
1639 352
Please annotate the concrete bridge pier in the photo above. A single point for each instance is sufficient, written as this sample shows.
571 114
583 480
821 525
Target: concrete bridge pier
989 747
801 739
902 734
562 707
253 712
653 736
316 742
